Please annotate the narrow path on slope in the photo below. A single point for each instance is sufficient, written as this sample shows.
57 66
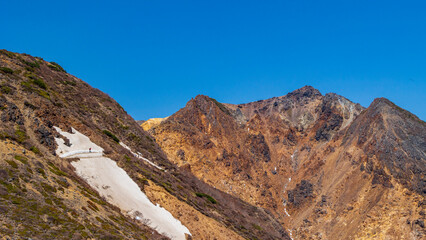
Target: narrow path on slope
115 185
139 155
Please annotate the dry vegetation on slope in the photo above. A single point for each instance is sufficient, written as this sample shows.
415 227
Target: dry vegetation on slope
37 95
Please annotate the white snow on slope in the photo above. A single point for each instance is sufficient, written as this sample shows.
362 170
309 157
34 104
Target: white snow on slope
139 155
113 183
285 210
285 202
291 234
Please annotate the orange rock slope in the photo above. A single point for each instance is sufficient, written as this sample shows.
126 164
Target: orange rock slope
326 167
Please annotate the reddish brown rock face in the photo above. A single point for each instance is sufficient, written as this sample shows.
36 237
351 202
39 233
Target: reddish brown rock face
326 167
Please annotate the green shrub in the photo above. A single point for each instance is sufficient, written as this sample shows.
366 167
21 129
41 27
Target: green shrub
167 186
6 53
47 188
56 170
42 172
221 106
27 85
43 94
21 136
35 150
31 64
56 67
92 206
112 136
12 163
36 80
17 201
68 82
6 70
40 83
6 89
210 198
4 135
22 159
257 227
134 138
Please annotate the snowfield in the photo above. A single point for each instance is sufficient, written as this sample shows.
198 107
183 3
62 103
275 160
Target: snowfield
113 183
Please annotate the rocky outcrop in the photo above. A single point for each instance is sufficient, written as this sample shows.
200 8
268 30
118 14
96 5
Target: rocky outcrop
396 139
10 112
301 193
307 158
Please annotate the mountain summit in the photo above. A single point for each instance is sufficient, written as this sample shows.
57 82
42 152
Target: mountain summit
324 166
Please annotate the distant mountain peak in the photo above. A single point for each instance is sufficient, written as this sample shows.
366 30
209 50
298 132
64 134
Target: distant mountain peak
314 141
306 91
384 105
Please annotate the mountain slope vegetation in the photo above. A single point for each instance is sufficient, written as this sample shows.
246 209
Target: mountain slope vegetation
41 196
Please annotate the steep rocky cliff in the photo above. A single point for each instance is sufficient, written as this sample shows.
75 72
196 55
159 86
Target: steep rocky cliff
326 167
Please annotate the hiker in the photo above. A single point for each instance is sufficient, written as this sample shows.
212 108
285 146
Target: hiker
90 150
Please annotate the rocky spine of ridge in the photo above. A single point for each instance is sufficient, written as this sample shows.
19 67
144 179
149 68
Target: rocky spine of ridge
395 137
42 197
325 166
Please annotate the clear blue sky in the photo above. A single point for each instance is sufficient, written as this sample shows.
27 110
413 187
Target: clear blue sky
153 56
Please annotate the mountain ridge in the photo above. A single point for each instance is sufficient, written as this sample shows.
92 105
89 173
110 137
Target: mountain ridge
299 166
38 96
323 150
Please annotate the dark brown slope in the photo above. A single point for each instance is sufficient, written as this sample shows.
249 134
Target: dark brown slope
339 170
397 138
37 95
246 142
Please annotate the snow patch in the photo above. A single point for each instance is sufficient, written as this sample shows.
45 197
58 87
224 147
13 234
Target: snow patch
80 145
285 210
113 183
139 155
291 234
284 200
292 155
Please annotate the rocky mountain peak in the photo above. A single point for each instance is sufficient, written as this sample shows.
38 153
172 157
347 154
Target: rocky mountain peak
381 105
387 107
199 99
305 92
327 154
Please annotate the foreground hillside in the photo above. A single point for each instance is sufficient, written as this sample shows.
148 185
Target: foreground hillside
47 189
326 167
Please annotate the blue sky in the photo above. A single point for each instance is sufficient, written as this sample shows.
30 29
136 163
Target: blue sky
153 56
